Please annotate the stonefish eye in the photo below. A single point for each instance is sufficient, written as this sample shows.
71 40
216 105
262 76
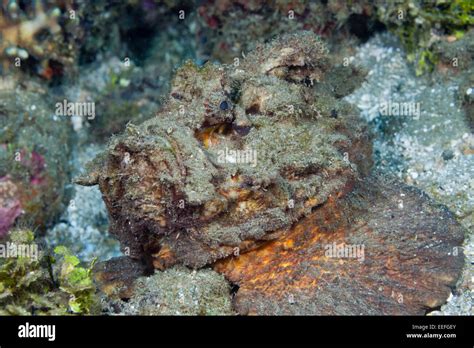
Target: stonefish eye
224 105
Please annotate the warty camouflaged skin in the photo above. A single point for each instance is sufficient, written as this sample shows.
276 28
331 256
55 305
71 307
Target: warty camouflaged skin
237 155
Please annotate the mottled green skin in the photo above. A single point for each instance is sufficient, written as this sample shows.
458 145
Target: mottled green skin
35 150
165 187
177 291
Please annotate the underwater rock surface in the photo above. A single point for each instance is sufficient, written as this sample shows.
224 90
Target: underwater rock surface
229 28
83 225
35 149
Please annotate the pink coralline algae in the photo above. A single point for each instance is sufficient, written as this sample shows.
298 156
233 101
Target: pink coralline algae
10 207
36 165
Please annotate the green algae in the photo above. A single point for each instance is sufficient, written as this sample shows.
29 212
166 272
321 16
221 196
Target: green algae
44 284
414 21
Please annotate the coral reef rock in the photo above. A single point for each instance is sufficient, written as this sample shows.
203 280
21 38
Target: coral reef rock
228 28
35 149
